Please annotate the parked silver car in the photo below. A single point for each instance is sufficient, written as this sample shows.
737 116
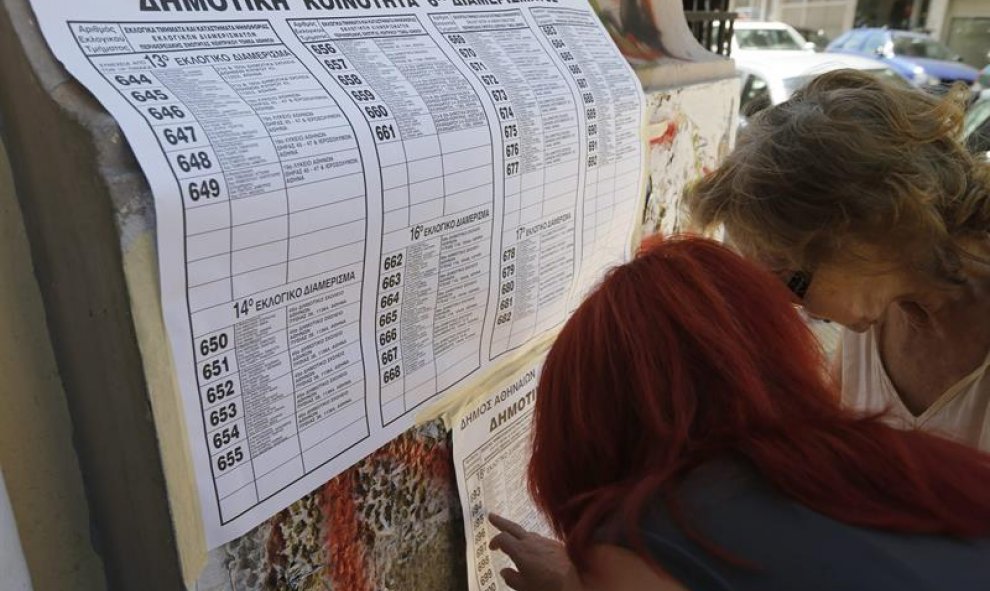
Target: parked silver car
770 77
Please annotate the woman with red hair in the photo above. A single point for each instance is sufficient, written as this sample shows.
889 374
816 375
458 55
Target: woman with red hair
687 436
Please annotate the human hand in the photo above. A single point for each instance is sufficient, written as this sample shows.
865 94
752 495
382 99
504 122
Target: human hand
541 563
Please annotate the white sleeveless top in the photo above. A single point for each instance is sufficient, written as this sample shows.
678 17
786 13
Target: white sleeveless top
961 413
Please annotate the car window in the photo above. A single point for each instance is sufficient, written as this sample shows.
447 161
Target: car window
766 39
838 42
853 41
755 96
818 37
873 42
911 46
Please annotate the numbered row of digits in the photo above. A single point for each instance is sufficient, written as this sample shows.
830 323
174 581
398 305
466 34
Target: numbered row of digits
500 97
584 87
383 126
388 317
181 137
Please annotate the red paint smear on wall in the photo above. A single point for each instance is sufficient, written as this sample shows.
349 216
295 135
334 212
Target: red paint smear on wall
668 137
345 549
433 461
345 545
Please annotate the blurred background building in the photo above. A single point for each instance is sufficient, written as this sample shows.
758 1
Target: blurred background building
964 25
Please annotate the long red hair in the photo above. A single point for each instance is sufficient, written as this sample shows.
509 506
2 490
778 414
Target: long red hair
689 353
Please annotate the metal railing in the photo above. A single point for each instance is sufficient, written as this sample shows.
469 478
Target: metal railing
711 23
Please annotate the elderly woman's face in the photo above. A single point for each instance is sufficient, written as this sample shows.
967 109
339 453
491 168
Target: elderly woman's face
854 296
854 292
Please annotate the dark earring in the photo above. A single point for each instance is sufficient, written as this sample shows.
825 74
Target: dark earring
798 283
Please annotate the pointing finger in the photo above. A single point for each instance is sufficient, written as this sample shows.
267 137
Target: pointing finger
507 526
508 544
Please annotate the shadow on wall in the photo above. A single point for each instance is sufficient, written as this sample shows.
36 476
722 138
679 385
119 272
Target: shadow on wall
39 463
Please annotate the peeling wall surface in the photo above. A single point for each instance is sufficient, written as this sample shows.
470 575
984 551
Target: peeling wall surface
694 130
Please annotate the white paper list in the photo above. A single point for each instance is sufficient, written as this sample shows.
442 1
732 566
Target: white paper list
432 141
275 229
539 125
360 208
492 444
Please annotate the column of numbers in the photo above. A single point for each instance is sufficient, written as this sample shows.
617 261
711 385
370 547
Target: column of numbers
513 189
511 157
196 168
387 323
385 131
584 88
220 394
482 555
592 128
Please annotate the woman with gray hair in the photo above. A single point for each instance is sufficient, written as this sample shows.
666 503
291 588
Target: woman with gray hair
859 195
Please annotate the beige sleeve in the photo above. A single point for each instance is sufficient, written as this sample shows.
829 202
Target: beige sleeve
835 367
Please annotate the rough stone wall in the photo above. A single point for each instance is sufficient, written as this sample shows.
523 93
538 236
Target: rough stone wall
390 523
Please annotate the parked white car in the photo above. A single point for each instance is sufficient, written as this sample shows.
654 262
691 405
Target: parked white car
759 36
770 77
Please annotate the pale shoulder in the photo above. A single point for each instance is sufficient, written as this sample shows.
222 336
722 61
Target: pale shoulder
613 568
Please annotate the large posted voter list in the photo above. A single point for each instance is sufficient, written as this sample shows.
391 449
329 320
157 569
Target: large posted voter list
361 206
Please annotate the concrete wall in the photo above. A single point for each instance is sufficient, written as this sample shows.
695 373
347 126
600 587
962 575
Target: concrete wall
935 20
970 8
964 29
83 199
39 463
941 13
833 16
